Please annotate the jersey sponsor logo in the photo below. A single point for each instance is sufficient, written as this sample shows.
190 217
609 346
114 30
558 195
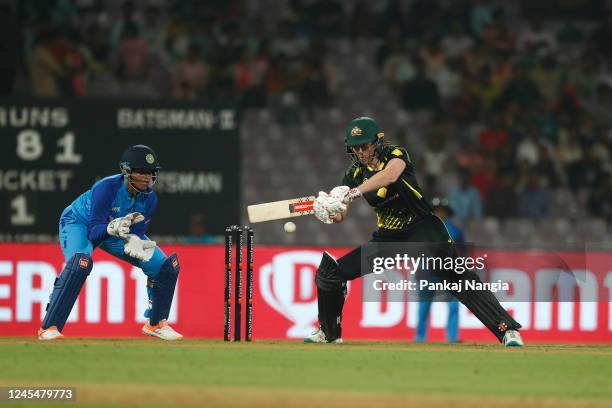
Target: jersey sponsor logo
175 264
116 209
84 263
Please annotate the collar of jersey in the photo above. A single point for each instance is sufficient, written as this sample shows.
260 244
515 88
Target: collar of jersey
380 166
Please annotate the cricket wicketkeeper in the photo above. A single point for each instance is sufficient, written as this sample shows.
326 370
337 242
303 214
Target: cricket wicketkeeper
384 176
114 215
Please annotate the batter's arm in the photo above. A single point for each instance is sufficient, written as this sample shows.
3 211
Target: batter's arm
389 175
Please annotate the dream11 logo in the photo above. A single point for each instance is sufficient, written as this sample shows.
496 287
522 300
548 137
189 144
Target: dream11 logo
287 284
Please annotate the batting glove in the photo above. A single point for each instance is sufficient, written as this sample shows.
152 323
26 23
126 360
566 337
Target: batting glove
345 194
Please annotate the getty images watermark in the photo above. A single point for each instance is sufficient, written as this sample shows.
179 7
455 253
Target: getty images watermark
410 264
404 272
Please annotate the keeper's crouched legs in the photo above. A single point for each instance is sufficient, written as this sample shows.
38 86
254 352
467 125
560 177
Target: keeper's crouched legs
331 292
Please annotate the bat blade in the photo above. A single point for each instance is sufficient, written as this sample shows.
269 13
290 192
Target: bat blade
278 210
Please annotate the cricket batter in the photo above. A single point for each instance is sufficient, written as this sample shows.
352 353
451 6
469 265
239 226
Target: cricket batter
384 175
114 215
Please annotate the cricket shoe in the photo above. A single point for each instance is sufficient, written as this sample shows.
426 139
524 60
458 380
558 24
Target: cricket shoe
512 338
50 333
161 330
318 336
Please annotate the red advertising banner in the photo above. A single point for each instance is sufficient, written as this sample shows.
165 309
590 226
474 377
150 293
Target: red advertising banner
113 299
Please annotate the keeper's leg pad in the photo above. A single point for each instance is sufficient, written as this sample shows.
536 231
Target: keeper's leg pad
66 290
331 292
485 306
163 290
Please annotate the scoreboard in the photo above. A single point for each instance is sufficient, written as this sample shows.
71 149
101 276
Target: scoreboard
54 150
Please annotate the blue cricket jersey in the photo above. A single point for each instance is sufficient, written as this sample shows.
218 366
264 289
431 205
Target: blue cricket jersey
109 199
454 231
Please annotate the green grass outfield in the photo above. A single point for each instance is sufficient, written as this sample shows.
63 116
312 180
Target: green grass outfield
203 373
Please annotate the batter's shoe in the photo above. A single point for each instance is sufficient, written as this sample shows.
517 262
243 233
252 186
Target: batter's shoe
512 338
318 336
162 330
50 333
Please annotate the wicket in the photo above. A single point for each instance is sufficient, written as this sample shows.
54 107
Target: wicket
235 234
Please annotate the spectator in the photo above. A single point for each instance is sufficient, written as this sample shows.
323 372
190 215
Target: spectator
447 81
481 14
435 157
520 90
433 57
287 43
249 74
465 200
547 167
457 43
393 42
154 32
75 63
537 40
547 77
601 106
534 200
494 137
133 54
569 34
398 67
528 148
47 70
189 75
600 198
569 152
421 93
498 36
583 77
129 17
484 176
501 200
587 172
314 89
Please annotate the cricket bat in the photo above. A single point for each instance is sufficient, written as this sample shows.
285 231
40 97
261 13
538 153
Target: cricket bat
278 210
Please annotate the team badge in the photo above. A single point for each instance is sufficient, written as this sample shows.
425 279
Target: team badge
356 131
84 263
149 158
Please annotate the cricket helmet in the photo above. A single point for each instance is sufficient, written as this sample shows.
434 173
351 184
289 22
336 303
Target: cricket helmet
361 131
139 157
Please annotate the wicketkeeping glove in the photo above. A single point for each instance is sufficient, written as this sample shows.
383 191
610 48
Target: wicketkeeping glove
120 227
139 248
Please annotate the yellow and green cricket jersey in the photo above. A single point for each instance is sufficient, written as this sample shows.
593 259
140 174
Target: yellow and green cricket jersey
400 203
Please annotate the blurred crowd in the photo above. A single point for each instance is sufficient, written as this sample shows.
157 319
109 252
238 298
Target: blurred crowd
521 106
520 93
185 49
